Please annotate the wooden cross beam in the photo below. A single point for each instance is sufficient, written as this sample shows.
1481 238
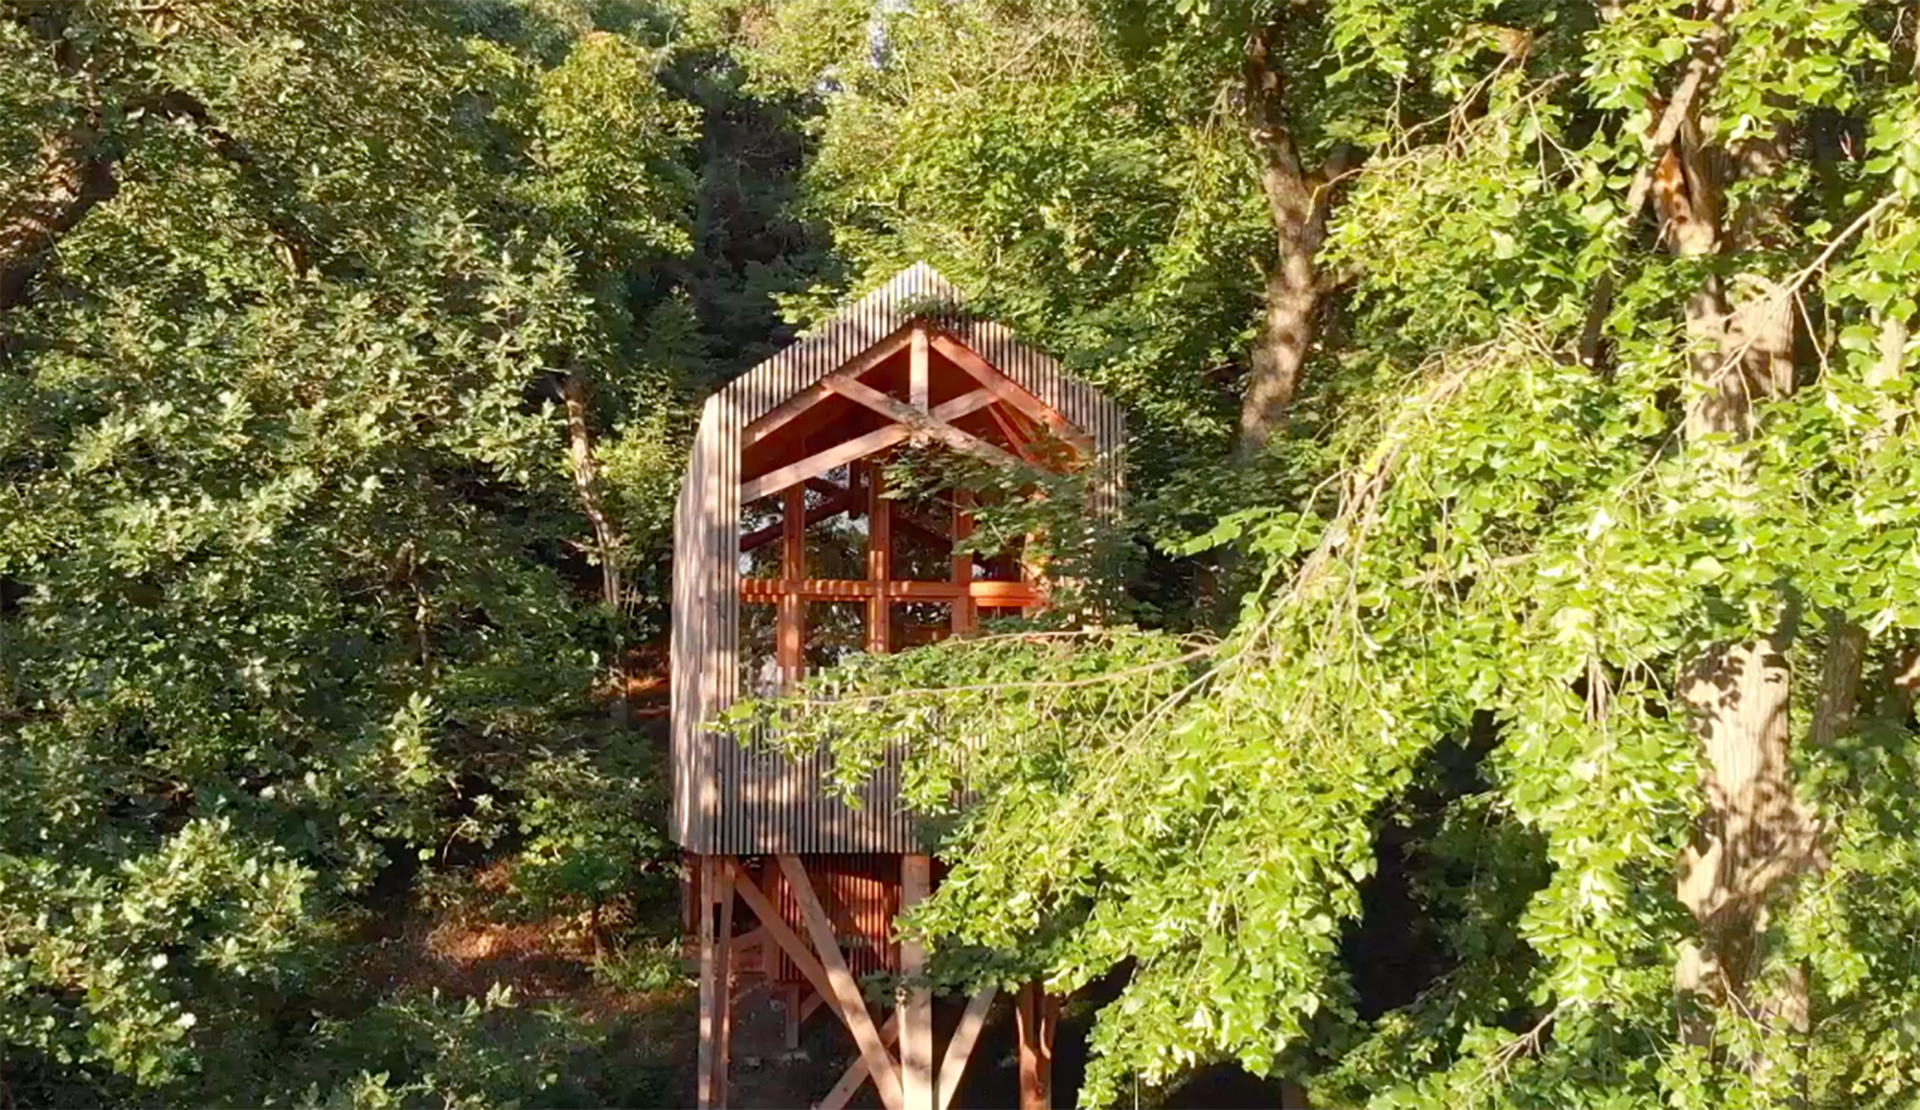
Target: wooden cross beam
785 412
1005 389
859 447
856 1073
1013 435
778 930
960 1049
831 507
843 989
984 591
922 423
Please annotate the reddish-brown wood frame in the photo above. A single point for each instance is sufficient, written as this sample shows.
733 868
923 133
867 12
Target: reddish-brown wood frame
1005 403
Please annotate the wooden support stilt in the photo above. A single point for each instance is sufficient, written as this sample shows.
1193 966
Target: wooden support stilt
879 561
709 868
791 1004
844 989
778 931
723 985
960 1049
916 1030
791 619
855 1076
1036 1013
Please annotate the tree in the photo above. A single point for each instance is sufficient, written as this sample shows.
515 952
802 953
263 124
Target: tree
1613 403
298 306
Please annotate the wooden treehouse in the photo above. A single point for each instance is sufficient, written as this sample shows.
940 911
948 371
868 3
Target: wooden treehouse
788 556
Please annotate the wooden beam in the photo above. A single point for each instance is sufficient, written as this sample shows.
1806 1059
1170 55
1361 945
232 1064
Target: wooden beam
856 1073
845 990
752 941
831 507
926 526
1010 391
760 591
822 461
963 405
784 413
923 423
779 931
963 608
917 377
960 1048
1019 442
1004 593
813 466
916 1028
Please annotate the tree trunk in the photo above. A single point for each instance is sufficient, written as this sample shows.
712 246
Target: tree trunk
74 179
606 539
1753 835
586 482
76 172
1296 200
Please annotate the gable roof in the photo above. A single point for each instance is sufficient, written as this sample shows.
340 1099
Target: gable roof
733 798
919 291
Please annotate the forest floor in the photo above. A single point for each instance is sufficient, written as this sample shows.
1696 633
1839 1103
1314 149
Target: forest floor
633 1010
627 1015
629 1012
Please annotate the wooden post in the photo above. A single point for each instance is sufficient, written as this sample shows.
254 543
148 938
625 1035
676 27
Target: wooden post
792 1003
1035 1013
964 615
791 621
879 561
917 371
723 983
846 990
709 983
916 1028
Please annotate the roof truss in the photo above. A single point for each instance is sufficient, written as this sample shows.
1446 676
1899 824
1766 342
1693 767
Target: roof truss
911 419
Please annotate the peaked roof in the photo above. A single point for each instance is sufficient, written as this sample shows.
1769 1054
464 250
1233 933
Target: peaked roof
919 291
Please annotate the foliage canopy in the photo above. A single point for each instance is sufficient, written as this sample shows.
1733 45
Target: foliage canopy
346 360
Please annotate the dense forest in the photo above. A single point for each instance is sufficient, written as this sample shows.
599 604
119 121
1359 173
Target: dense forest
1498 689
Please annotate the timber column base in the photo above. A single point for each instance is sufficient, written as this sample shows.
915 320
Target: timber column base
898 1056
1036 1015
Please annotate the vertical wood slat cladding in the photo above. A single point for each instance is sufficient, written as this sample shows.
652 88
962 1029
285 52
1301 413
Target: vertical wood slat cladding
745 799
861 894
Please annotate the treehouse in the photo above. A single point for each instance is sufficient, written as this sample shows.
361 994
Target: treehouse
789 555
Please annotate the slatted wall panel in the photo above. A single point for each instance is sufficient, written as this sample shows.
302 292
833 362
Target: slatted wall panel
745 799
861 894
